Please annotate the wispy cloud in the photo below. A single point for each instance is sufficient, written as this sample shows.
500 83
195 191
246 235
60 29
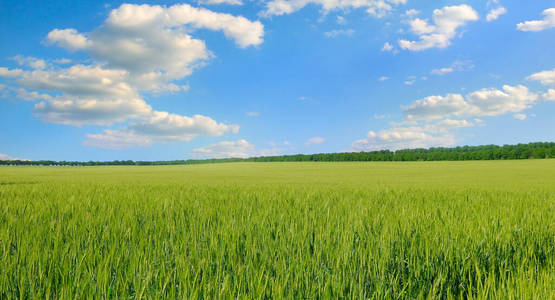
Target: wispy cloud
339 32
315 141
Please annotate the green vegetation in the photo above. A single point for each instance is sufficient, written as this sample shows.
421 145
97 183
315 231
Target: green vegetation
382 230
487 152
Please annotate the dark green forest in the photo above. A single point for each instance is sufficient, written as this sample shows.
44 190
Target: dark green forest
485 152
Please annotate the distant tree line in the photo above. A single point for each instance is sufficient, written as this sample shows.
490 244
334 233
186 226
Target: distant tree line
485 152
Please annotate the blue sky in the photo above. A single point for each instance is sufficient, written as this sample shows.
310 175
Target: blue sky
91 80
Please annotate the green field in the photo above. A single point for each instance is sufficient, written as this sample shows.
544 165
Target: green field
390 230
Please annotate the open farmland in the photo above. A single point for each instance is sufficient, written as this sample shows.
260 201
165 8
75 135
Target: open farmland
392 230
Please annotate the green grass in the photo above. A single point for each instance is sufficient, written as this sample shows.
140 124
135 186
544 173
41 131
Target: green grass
419 230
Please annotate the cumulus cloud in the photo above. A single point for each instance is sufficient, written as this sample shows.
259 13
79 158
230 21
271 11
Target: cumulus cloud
153 43
32 62
402 138
545 77
31 95
377 8
447 125
431 121
439 34
79 112
159 127
339 32
411 13
253 114
435 107
82 95
493 102
7 157
167 126
485 102
539 25
138 48
387 47
383 78
7 73
315 141
495 13
226 149
550 95
117 140
234 149
68 38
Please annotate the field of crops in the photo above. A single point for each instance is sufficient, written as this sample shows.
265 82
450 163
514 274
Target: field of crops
280 230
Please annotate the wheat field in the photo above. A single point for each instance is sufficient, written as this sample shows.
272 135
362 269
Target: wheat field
417 230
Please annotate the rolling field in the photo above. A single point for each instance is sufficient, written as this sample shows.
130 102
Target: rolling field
447 230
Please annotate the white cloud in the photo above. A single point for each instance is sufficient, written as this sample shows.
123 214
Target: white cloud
439 35
315 141
435 107
117 140
82 95
160 127
90 111
234 149
339 32
447 125
485 102
387 47
153 44
495 13
137 48
79 81
402 138
216 2
341 20
550 95
521 117
493 102
430 122
7 157
171 127
7 73
456 66
383 78
68 38
253 114
545 77
409 82
22 94
226 149
32 62
31 96
411 13
539 25
144 17
443 71
377 8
